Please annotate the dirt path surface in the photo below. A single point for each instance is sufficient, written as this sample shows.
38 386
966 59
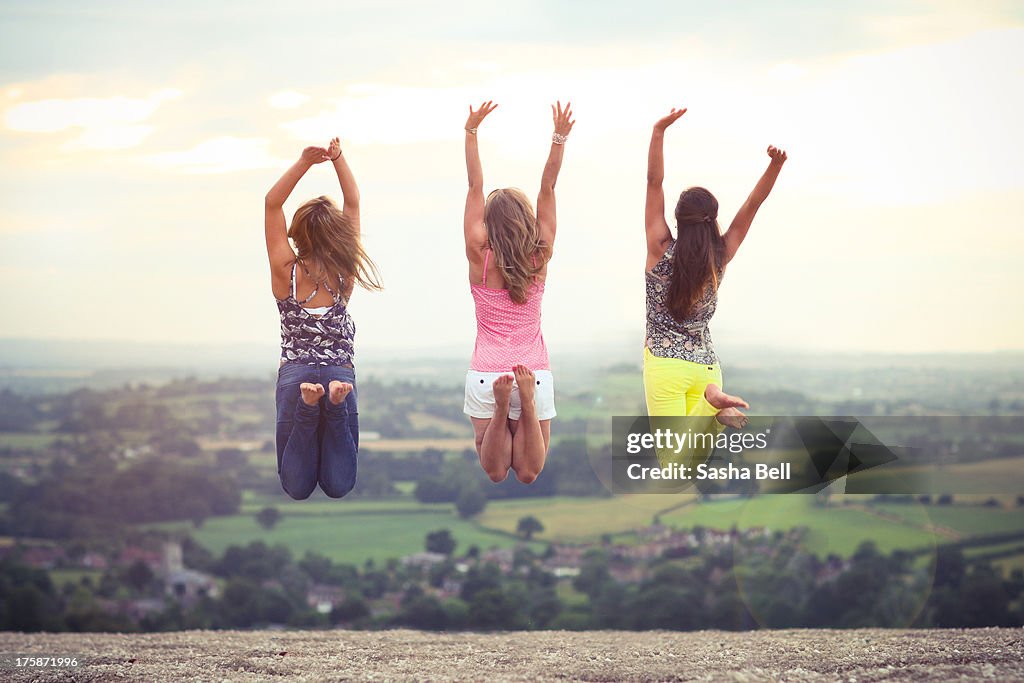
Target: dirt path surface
796 655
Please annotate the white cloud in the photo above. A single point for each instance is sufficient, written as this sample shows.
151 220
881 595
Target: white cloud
110 137
220 155
105 122
287 99
376 113
907 126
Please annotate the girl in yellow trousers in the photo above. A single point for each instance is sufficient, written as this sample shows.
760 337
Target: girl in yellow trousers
682 376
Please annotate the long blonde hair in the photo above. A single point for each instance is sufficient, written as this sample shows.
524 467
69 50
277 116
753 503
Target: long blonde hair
328 244
514 237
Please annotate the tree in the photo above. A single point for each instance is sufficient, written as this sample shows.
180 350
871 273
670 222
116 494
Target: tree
434 490
349 610
471 502
138 575
493 608
423 612
375 483
594 574
256 561
268 517
440 541
528 526
230 457
950 566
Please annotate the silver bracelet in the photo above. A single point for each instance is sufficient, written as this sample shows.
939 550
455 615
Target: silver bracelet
471 131
558 138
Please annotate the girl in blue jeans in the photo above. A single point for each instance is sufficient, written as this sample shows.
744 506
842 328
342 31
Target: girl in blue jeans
317 419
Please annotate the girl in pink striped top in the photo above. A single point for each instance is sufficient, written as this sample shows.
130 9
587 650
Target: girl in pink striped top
509 391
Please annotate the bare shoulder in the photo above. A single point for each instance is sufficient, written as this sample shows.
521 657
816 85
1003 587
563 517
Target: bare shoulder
281 279
543 257
656 252
476 254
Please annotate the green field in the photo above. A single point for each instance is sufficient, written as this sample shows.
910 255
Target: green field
26 440
835 529
321 505
60 577
964 519
998 475
356 530
348 531
390 528
610 394
573 520
1015 547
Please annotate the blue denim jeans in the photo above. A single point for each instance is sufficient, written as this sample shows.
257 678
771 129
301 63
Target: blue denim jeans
316 444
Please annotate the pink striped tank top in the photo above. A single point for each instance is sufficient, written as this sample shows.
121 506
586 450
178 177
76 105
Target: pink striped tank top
507 333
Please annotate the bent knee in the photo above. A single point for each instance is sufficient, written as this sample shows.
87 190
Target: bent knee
527 476
497 475
337 490
299 493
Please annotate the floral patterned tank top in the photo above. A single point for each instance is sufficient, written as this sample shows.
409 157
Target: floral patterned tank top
667 337
311 339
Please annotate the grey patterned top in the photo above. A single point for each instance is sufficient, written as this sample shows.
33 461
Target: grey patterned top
311 339
668 338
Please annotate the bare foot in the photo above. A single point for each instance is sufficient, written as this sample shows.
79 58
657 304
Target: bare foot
503 390
527 383
311 393
731 417
339 391
714 395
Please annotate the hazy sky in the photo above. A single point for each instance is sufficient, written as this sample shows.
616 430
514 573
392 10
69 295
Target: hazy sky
136 144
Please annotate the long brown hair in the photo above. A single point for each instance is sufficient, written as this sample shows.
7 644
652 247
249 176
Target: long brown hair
699 252
514 237
328 243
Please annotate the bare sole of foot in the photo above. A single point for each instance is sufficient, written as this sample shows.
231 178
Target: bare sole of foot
527 383
731 417
503 389
339 391
311 393
714 395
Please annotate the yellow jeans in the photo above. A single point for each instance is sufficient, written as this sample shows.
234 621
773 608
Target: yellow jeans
675 388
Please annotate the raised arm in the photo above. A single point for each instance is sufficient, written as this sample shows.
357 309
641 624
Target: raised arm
745 216
278 249
473 221
349 189
658 235
546 214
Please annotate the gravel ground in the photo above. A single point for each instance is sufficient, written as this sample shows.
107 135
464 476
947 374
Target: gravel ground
795 655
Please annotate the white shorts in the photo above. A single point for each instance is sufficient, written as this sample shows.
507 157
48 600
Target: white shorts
480 395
